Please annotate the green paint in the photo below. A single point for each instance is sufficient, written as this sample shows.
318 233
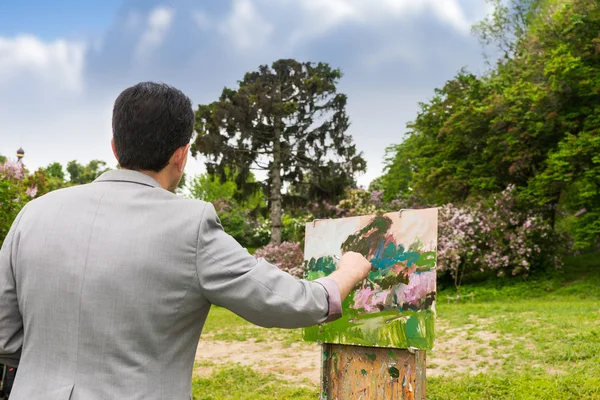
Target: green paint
373 330
391 355
394 372
363 372
371 357
426 261
417 246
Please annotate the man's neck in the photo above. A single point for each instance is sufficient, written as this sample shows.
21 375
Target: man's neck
159 177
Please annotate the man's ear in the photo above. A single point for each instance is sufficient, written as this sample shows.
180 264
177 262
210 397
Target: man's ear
181 157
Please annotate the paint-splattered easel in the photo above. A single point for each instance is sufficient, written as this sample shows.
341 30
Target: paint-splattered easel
366 373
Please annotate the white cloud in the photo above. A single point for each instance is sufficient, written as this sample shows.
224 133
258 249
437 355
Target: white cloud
245 27
327 14
159 21
333 10
56 95
59 64
452 13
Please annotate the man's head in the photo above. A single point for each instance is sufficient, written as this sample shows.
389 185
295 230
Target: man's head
153 124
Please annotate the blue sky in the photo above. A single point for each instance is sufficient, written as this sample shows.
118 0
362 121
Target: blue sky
62 63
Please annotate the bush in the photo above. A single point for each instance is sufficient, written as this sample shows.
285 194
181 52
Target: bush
496 236
294 228
288 256
238 222
259 233
16 189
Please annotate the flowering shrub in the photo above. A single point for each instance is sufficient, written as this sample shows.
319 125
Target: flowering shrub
16 189
363 202
498 235
358 202
287 256
260 234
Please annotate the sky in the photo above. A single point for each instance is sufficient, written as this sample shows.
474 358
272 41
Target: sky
64 62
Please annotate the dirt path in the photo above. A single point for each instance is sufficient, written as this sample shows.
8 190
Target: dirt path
298 362
457 350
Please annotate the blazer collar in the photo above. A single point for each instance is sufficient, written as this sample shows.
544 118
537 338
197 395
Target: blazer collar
127 175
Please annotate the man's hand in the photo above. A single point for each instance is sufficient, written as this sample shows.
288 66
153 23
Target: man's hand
352 268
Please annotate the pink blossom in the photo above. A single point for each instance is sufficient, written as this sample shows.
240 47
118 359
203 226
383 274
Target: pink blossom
287 256
31 191
11 169
418 286
368 299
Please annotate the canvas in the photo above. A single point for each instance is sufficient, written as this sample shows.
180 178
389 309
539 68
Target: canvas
395 306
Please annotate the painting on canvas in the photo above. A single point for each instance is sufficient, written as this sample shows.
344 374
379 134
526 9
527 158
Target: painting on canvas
394 306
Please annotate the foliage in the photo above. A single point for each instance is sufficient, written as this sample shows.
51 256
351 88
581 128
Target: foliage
532 122
287 256
362 202
55 176
328 185
210 187
16 189
233 219
241 219
81 174
294 227
502 236
287 119
507 25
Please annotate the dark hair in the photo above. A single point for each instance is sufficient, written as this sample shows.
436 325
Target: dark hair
151 121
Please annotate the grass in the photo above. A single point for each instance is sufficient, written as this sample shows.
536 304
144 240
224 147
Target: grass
543 342
226 326
238 382
548 348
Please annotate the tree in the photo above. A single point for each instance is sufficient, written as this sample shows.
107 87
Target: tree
397 177
80 174
327 184
507 24
445 157
55 176
210 187
531 122
288 120
55 170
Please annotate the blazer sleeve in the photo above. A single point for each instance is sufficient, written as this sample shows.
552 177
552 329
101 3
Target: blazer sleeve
254 289
11 322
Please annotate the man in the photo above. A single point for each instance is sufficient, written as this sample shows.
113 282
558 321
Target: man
105 288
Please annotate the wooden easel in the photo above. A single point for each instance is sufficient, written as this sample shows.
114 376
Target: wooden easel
368 373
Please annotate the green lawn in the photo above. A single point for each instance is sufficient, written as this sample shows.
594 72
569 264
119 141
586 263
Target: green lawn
542 342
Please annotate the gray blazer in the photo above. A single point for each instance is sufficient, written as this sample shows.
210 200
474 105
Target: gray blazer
105 288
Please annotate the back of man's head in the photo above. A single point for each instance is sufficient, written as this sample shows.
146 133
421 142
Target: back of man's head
151 121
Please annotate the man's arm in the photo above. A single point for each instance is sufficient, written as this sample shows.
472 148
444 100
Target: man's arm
258 291
11 322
